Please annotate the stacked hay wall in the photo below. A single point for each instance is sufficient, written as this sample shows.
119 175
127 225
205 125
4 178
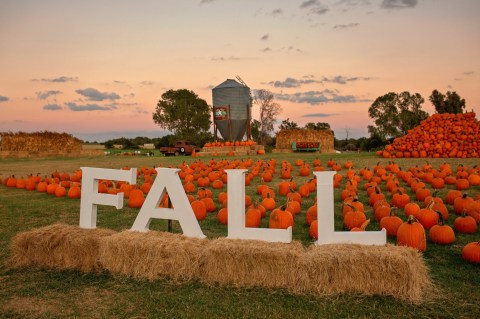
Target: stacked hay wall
285 138
41 144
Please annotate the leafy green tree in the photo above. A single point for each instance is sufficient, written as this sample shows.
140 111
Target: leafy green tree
394 114
451 103
319 126
288 125
183 113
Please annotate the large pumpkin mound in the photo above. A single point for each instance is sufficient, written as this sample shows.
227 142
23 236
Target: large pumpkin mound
440 135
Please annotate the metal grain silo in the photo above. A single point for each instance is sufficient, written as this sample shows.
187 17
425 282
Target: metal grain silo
231 110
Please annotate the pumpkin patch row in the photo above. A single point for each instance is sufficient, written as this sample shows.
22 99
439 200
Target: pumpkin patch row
439 136
377 197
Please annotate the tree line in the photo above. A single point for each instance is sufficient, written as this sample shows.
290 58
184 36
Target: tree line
188 117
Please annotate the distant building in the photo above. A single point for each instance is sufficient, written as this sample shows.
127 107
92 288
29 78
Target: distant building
148 146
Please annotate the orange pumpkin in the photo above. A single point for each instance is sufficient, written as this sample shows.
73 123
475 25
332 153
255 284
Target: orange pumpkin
411 233
471 252
280 218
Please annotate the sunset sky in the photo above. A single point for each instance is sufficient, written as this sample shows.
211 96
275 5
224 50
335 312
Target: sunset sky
96 69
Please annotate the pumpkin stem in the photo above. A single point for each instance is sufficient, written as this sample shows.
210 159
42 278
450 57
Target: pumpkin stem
391 213
430 205
440 218
412 219
365 224
351 206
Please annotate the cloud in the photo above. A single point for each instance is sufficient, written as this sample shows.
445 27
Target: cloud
139 110
265 37
318 97
345 26
292 83
3 98
277 12
96 95
468 73
52 107
46 94
309 79
88 107
147 83
319 10
60 79
309 3
129 96
319 115
267 49
206 1
398 4
291 48
314 6
339 79
355 2
231 58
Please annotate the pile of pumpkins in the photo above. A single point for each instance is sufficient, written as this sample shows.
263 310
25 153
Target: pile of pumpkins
439 136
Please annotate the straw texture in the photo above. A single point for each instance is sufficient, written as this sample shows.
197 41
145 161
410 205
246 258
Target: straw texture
152 255
59 246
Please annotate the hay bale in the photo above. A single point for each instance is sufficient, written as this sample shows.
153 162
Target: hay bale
285 138
249 263
59 246
372 270
153 255
39 141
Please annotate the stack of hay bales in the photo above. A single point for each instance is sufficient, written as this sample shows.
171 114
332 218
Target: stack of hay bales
396 271
285 138
41 144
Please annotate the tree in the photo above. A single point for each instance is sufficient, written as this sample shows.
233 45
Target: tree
255 130
394 114
288 125
268 112
183 113
451 103
317 126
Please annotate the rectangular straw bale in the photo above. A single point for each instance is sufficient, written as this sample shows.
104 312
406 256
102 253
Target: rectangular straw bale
248 263
371 270
152 255
285 138
59 246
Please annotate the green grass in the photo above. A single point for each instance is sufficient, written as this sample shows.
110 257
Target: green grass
40 293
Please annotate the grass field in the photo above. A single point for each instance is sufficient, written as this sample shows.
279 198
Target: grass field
42 293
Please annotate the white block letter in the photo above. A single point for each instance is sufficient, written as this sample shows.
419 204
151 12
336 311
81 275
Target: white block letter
325 216
236 213
167 180
90 196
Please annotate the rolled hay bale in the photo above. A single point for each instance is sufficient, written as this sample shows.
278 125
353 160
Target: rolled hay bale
59 246
397 271
152 255
249 263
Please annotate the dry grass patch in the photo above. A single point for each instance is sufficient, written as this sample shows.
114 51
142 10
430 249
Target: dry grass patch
31 307
59 246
